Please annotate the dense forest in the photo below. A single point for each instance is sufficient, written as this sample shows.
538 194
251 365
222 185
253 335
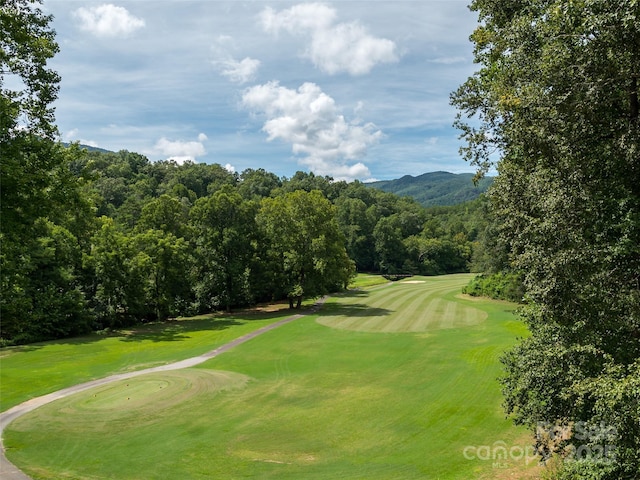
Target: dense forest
123 239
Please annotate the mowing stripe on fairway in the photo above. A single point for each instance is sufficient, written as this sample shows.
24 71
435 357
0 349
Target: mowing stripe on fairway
406 306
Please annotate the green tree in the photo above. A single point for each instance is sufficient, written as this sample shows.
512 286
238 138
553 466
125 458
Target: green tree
46 221
389 245
164 263
27 43
257 183
306 247
357 228
120 273
224 235
557 97
165 213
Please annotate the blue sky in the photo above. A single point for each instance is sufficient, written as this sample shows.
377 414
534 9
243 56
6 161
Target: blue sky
352 89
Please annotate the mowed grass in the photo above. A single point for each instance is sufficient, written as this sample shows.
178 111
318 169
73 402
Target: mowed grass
305 401
33 370
411 306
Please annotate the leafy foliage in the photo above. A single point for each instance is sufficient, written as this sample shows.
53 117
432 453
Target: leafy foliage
557 97
501 286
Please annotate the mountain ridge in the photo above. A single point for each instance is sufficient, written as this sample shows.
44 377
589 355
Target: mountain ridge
438 188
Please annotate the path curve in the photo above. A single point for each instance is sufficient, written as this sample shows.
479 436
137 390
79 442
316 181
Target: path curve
8 471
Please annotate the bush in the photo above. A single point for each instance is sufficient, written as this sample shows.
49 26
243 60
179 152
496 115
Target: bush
501 286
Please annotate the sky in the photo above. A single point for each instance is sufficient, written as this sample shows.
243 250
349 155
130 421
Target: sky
350 89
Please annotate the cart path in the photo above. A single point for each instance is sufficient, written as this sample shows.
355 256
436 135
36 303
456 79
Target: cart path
8 471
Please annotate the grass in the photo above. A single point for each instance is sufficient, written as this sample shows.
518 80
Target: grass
309 400
366 280
410 308
33 370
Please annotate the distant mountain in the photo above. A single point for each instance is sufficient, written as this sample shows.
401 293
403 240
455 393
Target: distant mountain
436 188
89 148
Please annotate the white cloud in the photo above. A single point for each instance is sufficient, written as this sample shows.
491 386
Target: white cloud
239 72
298 19
348 47
180 151
236 71
309 120
108 20
230 168
73 135
333 48
450 60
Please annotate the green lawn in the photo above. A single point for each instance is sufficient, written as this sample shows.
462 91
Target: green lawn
365 280
309 400
33 370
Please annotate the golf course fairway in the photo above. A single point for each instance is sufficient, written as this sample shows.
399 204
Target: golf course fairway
398 381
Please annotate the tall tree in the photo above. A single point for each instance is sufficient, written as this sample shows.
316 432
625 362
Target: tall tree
163 263
27 43
307 248
557 98
45 220
224 233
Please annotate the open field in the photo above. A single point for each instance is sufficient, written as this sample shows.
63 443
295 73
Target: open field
312 399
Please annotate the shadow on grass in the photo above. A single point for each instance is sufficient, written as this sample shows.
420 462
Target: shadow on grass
178 330
173 331
353 310
355 293
166 331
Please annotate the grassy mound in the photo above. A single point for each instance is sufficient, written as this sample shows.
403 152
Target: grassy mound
138 402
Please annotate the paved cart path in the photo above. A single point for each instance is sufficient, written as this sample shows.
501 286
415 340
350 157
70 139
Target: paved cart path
8 471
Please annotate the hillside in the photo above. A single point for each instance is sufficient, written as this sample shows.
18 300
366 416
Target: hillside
89 148
436 188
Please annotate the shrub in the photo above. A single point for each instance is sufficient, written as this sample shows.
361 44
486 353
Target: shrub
501 286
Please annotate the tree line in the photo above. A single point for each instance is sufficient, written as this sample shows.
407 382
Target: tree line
116 239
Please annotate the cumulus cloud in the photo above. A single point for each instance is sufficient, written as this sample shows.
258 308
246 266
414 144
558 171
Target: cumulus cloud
239 72
108 20
180 151
333 48
310 121
299 18
73 135
236 71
